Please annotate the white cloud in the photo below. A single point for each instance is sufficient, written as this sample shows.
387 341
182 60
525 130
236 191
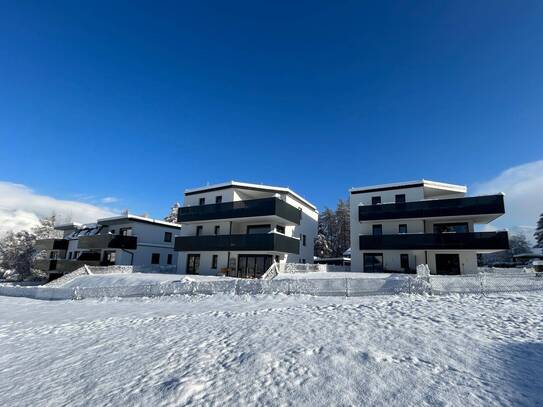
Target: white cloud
21 208
109 200
523 188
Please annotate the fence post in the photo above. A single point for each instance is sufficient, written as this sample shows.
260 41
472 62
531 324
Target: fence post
346 287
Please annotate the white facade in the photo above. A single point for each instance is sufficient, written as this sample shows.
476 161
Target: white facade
442 205
122 240
217 228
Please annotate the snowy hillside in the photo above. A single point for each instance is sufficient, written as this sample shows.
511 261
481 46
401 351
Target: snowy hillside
281 350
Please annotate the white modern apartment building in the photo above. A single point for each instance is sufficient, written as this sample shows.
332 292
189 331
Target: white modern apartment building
120 240
239 229
395 227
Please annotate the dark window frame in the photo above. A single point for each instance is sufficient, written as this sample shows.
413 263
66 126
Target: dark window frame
304 240
214 261
169 259
199 230
218 199
155 258
168 237
376 227
401 198
400 228
202 201
249 227
217 229
404 261
372 268
376 200
280 229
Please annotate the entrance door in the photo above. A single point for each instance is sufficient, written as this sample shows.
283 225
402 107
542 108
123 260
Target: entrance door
448 264
253 266
193 263
373 262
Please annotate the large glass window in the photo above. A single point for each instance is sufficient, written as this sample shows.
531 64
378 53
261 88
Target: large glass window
451 228
400 198
256 229
373 262
218 199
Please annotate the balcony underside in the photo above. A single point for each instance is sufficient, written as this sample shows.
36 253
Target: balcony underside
481 208
480 241
108 242
266 242
266 207
51 244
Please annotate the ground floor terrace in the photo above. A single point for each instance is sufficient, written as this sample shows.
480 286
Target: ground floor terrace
406 261
233 264
225 350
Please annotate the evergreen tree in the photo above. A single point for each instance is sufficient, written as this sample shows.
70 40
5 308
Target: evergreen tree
172 216
16 252
46 229
539 232
343 222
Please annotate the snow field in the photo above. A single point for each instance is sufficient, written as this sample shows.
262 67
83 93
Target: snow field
273 350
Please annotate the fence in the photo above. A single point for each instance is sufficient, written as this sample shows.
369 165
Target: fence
487 283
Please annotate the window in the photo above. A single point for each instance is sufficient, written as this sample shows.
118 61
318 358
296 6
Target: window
52 255
303 261
377 230
76 255
217 229
303 241
202 201
167 236
155 258
404 262
125 231
199 229
375 200
169 259
218 199
400 198
280 229
70 255
254 229
112 231
402 228
373 262
214 261
451 228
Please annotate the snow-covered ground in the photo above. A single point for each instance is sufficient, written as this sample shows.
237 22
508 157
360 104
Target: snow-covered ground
274 350
318 275
133 279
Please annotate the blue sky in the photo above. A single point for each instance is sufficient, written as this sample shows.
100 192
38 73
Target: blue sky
137 101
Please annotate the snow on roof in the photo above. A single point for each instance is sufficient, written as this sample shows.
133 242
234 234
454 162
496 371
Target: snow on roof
68 226
249 185
423 182
136 218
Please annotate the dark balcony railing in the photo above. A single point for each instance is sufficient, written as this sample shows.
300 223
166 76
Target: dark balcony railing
477 205
268 242
106 241
436 241
241 209
63 265
51 244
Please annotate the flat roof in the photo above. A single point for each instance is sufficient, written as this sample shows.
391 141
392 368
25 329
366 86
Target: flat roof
410 184
246 185
136 218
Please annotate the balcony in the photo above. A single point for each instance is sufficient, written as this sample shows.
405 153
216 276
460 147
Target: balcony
484 241
107 241
264 242
489 207
51 244
63 265
241 209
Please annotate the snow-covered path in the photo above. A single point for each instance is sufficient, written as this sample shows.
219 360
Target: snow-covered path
274 350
